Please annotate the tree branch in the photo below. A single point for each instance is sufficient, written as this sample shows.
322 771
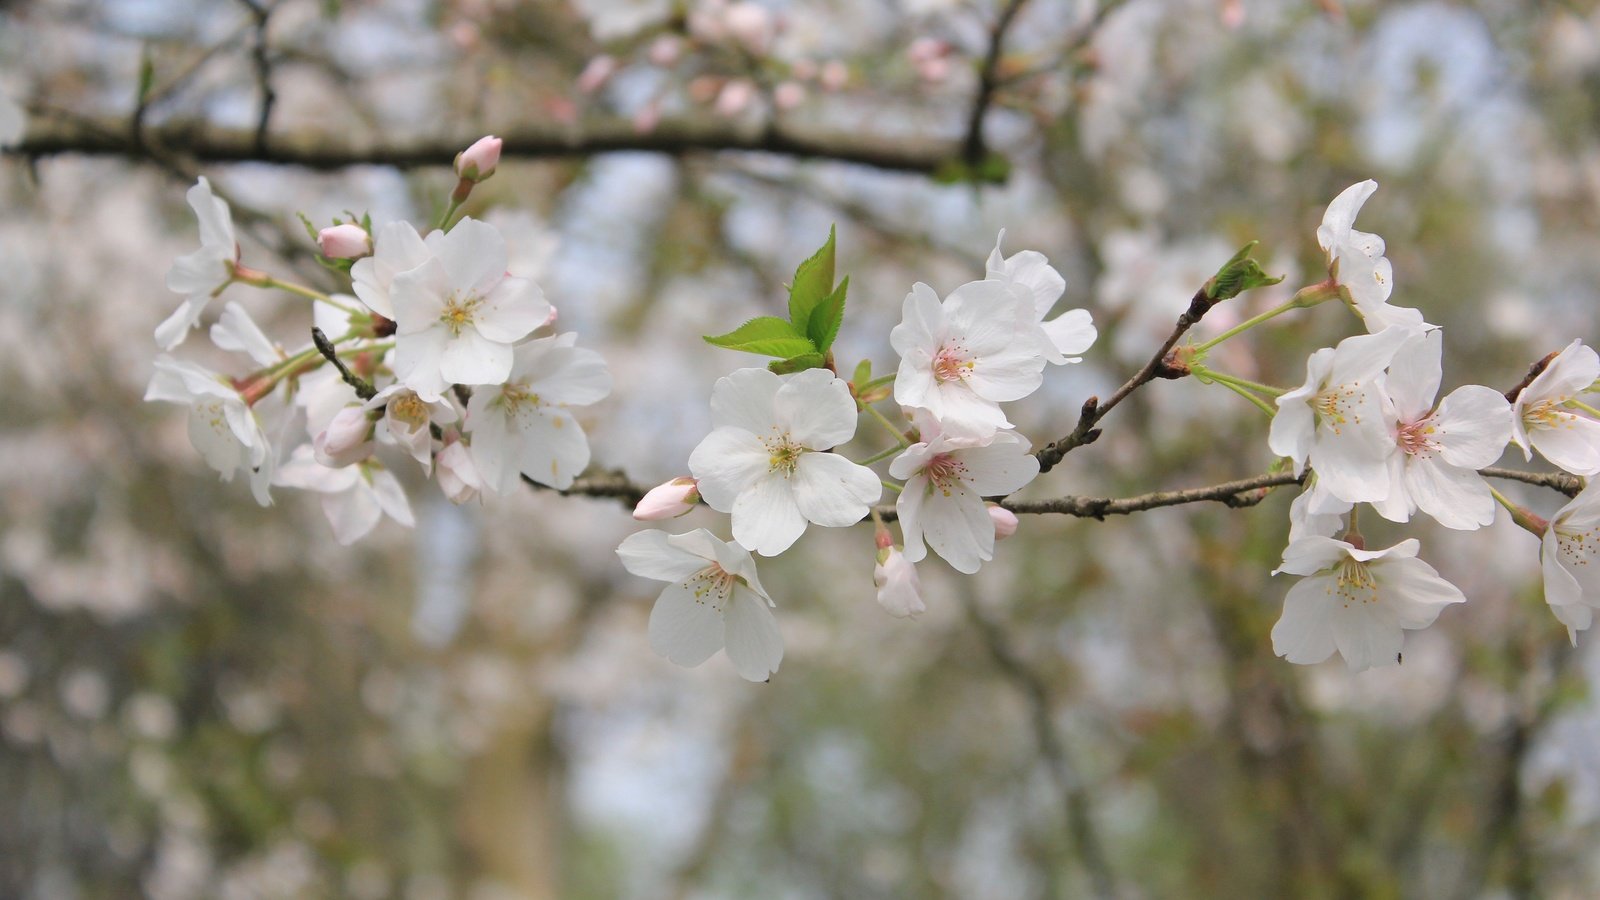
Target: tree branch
1556 481
973 148
53 134
363 388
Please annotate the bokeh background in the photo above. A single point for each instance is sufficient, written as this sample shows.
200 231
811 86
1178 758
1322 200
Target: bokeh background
203 698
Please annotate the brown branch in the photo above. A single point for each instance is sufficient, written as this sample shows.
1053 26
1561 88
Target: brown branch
1158 367
50 135
973 148
604 483
1534 371
1080 825
363 388
1556 481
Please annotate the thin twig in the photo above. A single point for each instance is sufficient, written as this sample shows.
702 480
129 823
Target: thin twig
1080 824
263 66
1158 367
363 388
1556 481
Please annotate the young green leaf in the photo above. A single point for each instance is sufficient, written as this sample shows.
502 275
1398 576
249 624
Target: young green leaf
767 336
798 363
826 318
862 374
813 283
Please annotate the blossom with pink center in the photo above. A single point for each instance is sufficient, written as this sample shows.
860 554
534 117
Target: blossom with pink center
1440 448
961 358
1542 420
946 479
1029 272
408 420
713 601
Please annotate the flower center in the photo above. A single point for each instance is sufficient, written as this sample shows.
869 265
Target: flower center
783 454
1335 406
952 363
459 311
409 409
712 586
515 398
945 473
1417 438
1576 547
1355 583
1547 414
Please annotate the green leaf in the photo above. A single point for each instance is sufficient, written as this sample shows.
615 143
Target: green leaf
813 283
862 374
798 363
826 318
766 335
1237 275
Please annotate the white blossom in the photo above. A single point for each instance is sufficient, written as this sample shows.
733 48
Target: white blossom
354 498
763 461
713 601
946 480
899 589
458 313
222 426
1356 601
407 420
203 274
1541 421
398 248
1569 554
523 427
1063 338
1335 421
1356 261
960 359
1440 448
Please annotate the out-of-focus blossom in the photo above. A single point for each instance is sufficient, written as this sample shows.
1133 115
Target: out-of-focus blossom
763 462
788 95
203 274
1541 421
834 75
665 50
751 24
735 97
596 73
1356 601
222 426
13 122
713 601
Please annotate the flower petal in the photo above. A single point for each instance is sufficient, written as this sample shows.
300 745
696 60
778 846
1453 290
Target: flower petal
816 409
651 554
683 627
765 517
725 463
1303 633
750 631
833 491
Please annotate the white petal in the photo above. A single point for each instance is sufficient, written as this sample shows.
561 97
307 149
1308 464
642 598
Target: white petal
416 361
175 328
473 253
649 554
1572 444
765 517
1072 332
725 463
957 526
744 399
1341 214
353 513
908 508
237 332
418 297
833 491
1367 634
572 376
1472 426
751 633
513 309
683 627
1304 632
1458 498
816 409
553 448
471 358
1312 554
999 469
1414 590
1414 374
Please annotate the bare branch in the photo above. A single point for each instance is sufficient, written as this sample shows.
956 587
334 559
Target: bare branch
973 148
50 135
1556 481
605 483
363 388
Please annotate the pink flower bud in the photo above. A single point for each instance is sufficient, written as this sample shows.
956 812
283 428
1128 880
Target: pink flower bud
1005 522
899 590
458 476
788 95
751 25
933 71
595 75
834 76
665 50
668 501
347 241
347 439
479 161
735 97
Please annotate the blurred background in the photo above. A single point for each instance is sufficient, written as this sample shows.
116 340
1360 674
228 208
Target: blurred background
203 698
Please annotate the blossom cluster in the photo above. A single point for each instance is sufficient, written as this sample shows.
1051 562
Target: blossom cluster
440 355
772 460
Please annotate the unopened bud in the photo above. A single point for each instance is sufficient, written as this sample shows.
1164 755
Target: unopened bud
1237 275
347 439
1005 522
478 162
347 241
668 501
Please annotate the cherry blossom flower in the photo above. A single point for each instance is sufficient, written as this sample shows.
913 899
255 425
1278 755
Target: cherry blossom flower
763 462
354 498
1335 420
523 427
203 274
945 482
1356 261
1540 420
959 360
1356 601
407 420
398 248
1441 448
668 500
713 601
222 426
1061 339
1569 554
458 313
457 475
899 589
